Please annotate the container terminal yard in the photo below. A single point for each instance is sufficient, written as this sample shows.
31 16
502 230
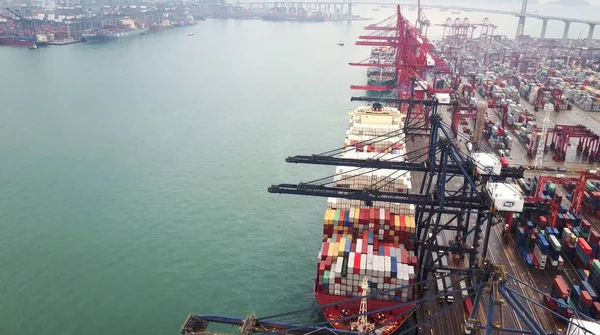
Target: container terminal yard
466 194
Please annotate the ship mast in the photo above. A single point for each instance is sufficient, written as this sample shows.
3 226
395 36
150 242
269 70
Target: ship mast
362 325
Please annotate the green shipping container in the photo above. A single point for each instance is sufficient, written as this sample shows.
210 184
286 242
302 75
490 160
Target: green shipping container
590 186
596 266
336 217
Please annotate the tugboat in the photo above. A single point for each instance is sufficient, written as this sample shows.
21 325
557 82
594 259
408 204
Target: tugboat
340 43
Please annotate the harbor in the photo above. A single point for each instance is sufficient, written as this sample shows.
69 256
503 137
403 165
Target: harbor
56 23
158 173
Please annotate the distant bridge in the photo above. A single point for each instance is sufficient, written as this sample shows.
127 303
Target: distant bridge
521 15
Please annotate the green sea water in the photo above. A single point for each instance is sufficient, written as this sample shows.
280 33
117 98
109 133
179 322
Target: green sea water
134 174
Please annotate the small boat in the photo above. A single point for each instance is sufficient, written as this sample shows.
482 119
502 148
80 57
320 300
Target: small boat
33 47
340 43
190 34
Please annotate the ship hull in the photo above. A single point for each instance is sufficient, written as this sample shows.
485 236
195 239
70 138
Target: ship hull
113 36
22 43
395 316
160 28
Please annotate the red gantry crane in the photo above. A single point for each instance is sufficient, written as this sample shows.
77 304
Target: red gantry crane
414 66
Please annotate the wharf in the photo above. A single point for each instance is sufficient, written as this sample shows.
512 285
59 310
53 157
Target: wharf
576 116
66 42
451 321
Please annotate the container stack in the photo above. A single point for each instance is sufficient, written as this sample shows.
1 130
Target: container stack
560 293
382 179
378 222
377 242
345 261
594 283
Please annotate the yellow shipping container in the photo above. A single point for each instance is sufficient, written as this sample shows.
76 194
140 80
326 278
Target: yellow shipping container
332 249
410 224
329 213
341 246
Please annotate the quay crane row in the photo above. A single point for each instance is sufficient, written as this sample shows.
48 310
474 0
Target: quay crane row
456 197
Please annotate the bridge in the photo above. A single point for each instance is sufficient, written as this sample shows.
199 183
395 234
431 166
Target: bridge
522 14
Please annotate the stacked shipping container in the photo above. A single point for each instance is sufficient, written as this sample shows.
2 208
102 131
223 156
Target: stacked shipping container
378 242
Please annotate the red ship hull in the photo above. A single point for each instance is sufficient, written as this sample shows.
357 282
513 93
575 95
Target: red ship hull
393 319
20 43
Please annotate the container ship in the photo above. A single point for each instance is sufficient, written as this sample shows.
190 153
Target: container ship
25 41
382 76
163 25
376 243
126 28
186 21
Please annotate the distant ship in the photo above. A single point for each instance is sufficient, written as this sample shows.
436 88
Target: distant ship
164 25
25 41
112 35
127 28
187 21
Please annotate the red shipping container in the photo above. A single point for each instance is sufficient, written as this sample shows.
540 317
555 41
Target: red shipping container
594 237
584 246
376 216
586 298
324 250
356 264
388 216
402 224
596 308
387 250
561 287
363 216
375 246
585 225
536 264
551 304
372 215
468 306
341 218
543 222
